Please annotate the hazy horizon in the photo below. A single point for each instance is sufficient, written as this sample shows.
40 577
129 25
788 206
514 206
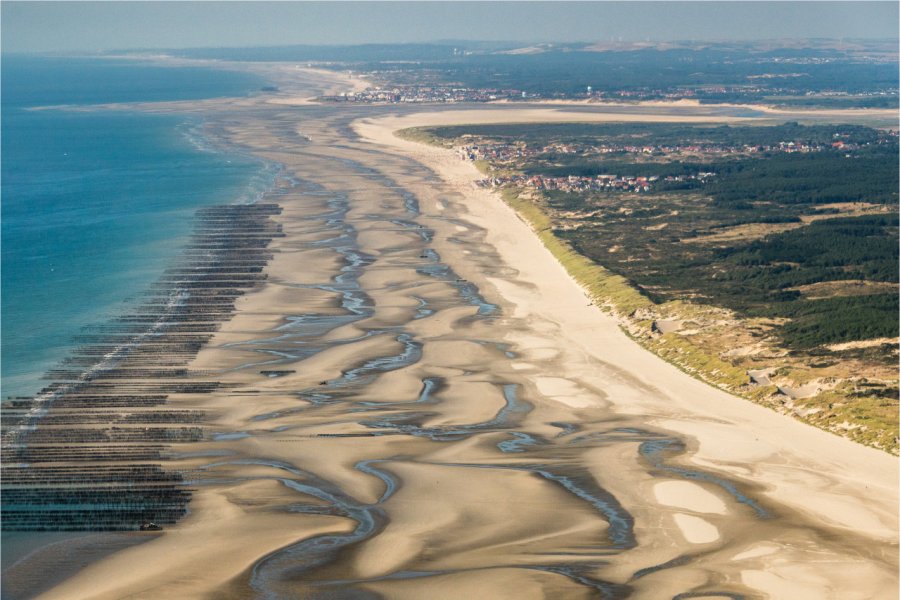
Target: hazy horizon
40 27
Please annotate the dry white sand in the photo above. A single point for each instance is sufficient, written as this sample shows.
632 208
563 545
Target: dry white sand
684 494
695 529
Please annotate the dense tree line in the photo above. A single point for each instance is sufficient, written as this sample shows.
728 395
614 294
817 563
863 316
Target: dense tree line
814 178
661 134
833 320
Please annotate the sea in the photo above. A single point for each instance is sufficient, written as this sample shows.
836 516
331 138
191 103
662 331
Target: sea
96 203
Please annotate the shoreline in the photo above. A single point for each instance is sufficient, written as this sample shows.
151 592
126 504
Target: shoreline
394 502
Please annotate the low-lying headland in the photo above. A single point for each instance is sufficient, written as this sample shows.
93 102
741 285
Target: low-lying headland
387 385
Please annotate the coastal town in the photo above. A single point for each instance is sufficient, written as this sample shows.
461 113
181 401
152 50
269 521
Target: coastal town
573 183
439 94
506 153
426 95
448 94
502 152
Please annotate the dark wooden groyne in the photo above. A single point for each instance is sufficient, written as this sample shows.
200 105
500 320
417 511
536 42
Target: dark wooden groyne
89 452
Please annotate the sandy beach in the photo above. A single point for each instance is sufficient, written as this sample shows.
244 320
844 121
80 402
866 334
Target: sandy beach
419 402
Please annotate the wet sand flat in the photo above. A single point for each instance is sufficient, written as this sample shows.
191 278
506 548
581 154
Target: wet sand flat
448 417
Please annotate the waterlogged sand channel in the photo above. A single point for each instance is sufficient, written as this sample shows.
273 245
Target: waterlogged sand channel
418 403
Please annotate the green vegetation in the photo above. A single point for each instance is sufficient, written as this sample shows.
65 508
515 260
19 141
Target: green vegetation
869 175
660 134
424 135
753 277
814 322
834 102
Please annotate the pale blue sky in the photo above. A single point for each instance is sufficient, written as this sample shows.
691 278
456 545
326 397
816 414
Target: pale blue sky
91 26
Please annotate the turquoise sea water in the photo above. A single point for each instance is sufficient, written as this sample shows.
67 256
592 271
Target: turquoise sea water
95 204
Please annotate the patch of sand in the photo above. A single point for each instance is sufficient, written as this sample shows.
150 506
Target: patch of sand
696 530
690 496
818 582
220 540
756 551
563 390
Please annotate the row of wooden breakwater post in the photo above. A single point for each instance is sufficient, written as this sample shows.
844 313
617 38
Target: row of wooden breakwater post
88 452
